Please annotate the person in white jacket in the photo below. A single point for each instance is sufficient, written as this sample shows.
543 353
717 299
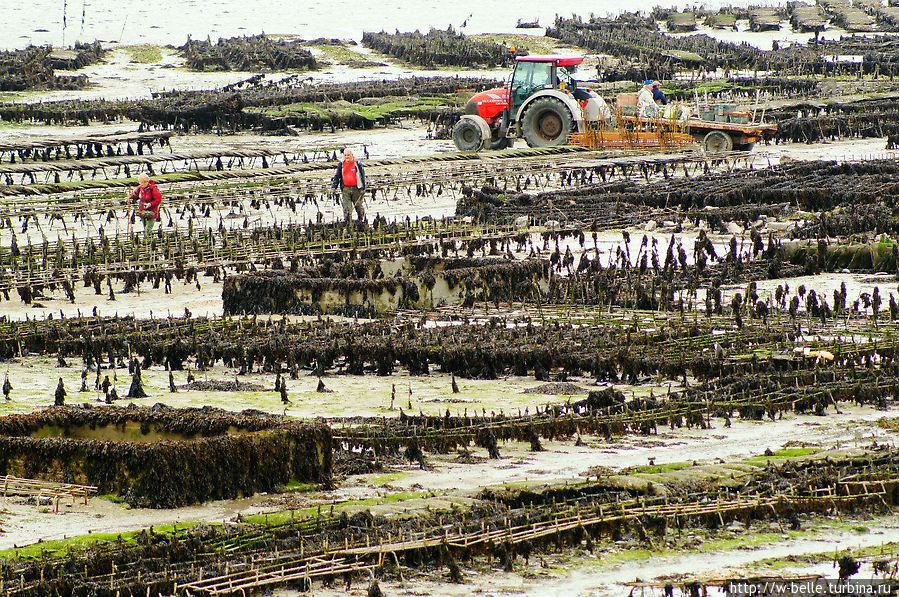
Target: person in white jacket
646 105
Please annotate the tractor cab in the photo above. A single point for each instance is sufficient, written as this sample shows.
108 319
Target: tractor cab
534 73
541 104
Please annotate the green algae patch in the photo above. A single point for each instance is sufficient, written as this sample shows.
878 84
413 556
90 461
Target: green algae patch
660 468
61 547
784 454
283 516
144 54
374 112
384 479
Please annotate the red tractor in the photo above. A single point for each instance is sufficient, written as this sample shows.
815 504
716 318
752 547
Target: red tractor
541 104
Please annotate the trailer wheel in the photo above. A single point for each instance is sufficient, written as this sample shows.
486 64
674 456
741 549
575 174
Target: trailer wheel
717 142
471 133
546 123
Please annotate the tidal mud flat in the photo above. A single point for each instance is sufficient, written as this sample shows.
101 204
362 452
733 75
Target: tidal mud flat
531 371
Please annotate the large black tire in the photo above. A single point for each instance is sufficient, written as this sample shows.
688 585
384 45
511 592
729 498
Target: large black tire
547 122
468 135
717 142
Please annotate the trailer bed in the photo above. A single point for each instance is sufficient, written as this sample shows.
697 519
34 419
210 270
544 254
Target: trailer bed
758 129
714 136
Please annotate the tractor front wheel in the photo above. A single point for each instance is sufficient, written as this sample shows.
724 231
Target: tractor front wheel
471 133
547 122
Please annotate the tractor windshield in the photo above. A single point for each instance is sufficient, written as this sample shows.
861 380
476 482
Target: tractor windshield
565 76
529 77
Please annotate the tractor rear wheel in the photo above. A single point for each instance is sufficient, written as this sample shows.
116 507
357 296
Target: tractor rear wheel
547 122
717 142
471 133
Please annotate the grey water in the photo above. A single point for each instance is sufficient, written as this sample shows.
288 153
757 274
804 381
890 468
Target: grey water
162 22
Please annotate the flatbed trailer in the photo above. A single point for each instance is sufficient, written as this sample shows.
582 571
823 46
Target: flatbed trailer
717 137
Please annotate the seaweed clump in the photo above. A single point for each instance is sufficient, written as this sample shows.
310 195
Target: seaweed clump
34 67
439 48
210 454
256 52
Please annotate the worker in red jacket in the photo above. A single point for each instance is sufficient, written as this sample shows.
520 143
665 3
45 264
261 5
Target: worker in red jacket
350 179
149 199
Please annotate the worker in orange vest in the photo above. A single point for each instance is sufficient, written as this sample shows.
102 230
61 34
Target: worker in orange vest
350 178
